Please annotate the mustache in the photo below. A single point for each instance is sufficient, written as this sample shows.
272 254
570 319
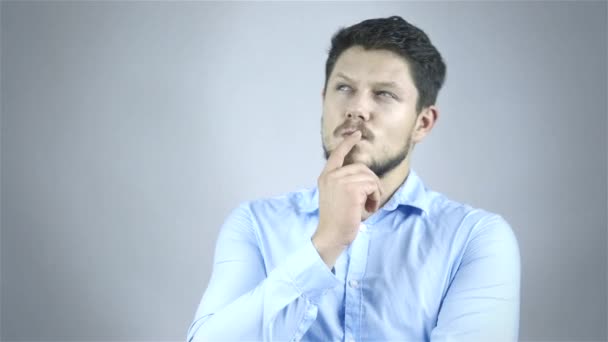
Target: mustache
352 126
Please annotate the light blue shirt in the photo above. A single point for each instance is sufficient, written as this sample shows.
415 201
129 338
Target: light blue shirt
421 268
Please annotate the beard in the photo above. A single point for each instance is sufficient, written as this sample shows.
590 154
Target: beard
379 167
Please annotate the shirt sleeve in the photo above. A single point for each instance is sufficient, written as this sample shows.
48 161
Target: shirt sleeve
246 302
482 302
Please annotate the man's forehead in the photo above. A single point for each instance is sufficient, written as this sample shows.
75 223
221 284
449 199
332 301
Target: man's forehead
391 80
373 66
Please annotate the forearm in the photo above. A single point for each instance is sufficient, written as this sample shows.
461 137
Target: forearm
281 307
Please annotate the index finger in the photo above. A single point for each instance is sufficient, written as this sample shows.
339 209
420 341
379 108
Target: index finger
336 158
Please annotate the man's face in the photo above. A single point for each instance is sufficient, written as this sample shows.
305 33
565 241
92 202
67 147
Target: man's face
372 91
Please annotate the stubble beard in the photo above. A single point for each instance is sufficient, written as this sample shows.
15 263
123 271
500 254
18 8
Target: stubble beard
382 167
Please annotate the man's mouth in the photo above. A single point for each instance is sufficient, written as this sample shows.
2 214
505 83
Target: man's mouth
349 131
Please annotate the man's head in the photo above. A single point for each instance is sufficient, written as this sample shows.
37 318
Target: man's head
382 77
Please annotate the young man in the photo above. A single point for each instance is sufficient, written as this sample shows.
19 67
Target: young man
371 254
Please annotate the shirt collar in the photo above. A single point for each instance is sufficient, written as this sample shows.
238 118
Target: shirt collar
412 193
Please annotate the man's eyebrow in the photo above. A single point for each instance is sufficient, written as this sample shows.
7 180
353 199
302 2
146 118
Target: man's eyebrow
339 74
389 84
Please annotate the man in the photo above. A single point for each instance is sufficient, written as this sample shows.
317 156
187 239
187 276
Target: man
371 254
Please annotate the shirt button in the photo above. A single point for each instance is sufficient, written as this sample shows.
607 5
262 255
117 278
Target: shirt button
353 283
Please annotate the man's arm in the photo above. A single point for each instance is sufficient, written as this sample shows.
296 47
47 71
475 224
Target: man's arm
245 302
482 302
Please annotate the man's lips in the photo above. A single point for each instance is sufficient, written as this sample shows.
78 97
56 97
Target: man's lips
349 131
349 128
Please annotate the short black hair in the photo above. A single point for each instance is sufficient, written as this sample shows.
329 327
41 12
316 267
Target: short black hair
397 35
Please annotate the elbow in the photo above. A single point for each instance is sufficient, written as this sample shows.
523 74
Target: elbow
198 330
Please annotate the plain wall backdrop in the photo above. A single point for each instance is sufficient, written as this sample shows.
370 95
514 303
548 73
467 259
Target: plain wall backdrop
130 129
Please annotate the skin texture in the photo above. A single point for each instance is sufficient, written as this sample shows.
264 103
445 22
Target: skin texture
369 128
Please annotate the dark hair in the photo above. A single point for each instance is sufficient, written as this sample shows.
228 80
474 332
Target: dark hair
399 36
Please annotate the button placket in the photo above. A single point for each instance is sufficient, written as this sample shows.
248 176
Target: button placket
353 296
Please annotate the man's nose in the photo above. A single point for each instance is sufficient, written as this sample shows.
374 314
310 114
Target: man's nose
359 108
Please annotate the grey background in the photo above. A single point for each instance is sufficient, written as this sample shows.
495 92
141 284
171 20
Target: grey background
130 129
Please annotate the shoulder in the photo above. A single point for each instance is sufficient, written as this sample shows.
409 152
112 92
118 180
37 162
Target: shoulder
276 208
248 216
287 203
473 236
466 223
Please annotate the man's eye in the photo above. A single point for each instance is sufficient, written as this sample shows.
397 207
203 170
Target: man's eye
386 94
342 87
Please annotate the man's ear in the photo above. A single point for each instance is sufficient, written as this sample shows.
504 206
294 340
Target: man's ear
425 121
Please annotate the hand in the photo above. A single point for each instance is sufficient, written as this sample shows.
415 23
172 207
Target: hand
346 193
